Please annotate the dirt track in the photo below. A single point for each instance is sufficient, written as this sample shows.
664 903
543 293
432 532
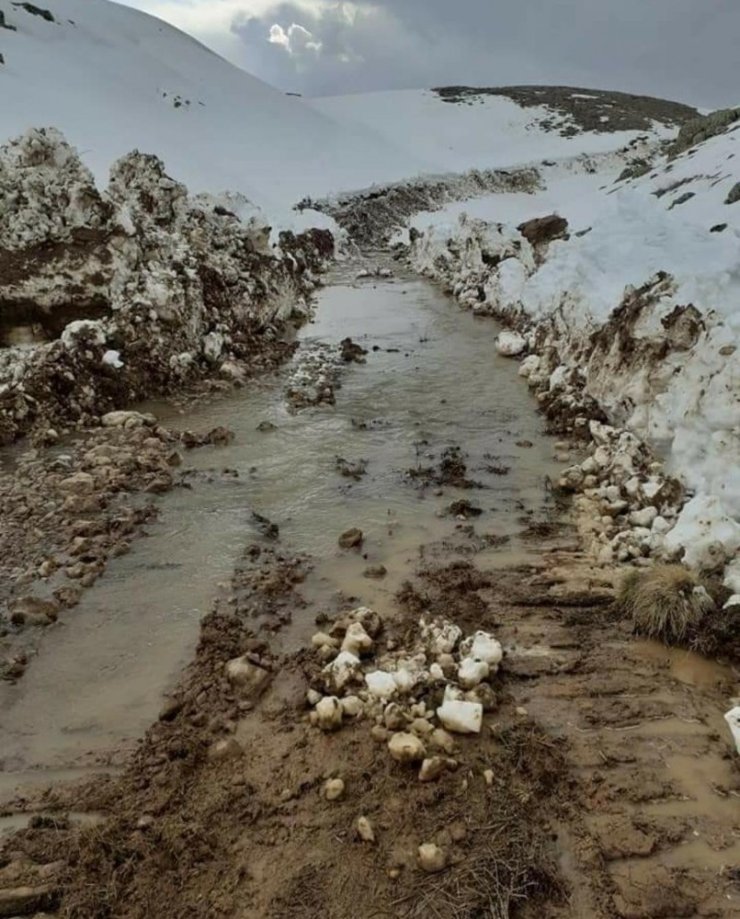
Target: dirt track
602 784
612 794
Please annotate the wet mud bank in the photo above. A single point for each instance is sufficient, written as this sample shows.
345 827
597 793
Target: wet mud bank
386 495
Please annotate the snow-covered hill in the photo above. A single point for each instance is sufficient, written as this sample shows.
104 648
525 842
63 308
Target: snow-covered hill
113 79
641 302
462 128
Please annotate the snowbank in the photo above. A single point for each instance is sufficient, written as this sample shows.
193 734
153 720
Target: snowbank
642 301
132 291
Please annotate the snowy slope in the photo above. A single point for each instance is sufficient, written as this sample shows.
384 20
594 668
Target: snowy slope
113 79
480 131
667 364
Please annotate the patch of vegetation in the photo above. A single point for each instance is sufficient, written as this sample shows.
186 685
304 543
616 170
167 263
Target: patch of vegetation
703 127
666 602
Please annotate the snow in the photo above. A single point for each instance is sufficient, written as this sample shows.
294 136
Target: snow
493 132
114 79
686 402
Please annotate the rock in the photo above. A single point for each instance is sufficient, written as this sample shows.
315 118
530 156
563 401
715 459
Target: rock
344 669
334 789
432 859
321 640
442 741
352 706
230 748
81 483
393 717
421 727
472 672
488 776
356 640
543 229
351 539
510 344
127 420
644 517
244 673
432 769
461 717
406 748
329 714
364 829
379 734
313 697
375 572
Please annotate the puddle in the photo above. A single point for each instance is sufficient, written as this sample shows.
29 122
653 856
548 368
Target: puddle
685 666
433 380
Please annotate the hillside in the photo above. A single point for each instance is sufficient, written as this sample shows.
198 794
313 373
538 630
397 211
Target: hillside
638 304
466 127
113 79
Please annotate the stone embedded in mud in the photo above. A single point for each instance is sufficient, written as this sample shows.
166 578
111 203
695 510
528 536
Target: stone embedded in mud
230 748
356 640
344 669
128 420
321 640
432 859
461 717
352 706
329 714
375 572
351 539
393 717
364 829
246 674
334 789
81 483
432 768
442 741
406 748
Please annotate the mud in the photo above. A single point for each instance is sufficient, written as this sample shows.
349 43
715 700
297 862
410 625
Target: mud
601 784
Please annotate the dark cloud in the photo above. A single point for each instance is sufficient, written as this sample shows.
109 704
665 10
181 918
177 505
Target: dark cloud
685 49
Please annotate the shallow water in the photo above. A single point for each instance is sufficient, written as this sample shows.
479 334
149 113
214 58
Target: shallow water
434 380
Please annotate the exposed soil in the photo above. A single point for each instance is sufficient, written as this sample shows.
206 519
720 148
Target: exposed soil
579 110
610 793
601 785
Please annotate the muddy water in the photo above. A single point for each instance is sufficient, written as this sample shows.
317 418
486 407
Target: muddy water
431 379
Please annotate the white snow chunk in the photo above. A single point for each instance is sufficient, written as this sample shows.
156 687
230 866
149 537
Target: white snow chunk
461 717
471 672
113 359
381 684
733 720
510 344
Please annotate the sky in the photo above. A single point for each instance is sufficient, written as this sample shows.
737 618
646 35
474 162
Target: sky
687 50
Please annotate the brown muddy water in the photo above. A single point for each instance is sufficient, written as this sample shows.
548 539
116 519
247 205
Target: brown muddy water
432 379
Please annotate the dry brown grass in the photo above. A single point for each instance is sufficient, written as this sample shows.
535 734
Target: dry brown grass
665 602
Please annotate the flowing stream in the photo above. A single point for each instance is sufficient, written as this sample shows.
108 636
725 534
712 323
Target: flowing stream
431 380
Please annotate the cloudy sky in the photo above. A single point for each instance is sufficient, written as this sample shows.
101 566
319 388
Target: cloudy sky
682 49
